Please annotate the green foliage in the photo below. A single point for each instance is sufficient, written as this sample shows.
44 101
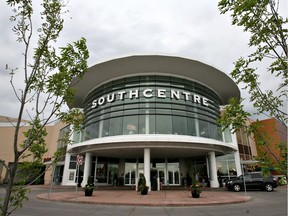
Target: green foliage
234 115
283 181
58 155
90 184
74 117
142 183
29 172
35 141
18 195
195 186
47 75
268 38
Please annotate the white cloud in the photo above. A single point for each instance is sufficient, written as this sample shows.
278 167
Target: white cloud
191 29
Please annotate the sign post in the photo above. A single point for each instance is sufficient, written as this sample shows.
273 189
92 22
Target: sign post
78 163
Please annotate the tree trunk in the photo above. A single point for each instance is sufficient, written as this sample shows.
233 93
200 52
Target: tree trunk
11 174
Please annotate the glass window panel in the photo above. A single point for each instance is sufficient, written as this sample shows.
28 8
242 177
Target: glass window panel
232 168
142 125
213 131
130 125
219 133
176 177
152 111
133 176
178 112
241 148
227 135
191 126
101 172
163 124
113 173
116 108
203 129
163 111
179 125
178 106
170 177
131 106
147 80
95 130
151 99
116 126
86 133
106 115
117 113
164 105
72 165
246 149
105 131
152 124
131 112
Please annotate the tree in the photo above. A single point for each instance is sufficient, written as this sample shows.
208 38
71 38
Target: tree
47 74
268 39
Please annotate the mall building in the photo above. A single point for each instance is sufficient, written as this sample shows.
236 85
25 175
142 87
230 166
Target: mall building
153 115
145 115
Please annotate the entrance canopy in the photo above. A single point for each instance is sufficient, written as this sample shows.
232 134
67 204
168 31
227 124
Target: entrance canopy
160 145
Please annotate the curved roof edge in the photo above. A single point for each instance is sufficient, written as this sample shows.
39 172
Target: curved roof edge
194 70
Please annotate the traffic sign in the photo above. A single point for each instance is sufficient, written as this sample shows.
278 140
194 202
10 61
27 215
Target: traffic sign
79 159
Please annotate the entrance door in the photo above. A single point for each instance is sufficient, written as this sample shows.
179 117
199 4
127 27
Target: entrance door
130 177
153 179
154 175
173 177
162 177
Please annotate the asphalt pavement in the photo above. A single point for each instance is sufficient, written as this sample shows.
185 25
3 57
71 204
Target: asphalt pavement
261 203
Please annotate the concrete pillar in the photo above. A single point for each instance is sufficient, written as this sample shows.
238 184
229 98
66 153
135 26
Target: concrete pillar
66 172
87 168
213 170
238 163
137 174
147 167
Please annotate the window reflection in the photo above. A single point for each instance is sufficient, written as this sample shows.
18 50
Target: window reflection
180 125
152 115
130 125
163 124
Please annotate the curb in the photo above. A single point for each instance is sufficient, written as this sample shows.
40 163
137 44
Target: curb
168 198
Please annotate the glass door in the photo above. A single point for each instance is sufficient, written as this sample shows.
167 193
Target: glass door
130 177
173 174
162 177
173 177
130 173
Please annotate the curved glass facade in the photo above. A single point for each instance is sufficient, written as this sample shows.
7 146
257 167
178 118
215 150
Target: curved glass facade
151 105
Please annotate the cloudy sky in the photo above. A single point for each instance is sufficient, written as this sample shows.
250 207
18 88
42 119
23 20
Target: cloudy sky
187 28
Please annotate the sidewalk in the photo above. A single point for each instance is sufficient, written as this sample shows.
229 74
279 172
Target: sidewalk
154 198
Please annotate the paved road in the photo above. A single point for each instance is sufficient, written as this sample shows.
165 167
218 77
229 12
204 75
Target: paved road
262 203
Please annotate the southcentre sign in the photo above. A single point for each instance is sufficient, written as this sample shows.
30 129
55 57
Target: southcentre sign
149 93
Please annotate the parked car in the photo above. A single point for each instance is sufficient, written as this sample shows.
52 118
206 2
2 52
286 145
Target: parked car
253 180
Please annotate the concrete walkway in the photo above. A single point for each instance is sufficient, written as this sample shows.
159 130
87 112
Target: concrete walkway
154 198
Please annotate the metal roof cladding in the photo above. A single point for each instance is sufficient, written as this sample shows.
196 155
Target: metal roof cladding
137 65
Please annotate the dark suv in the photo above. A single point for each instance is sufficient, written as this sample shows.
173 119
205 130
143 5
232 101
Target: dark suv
253 180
